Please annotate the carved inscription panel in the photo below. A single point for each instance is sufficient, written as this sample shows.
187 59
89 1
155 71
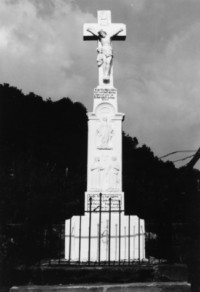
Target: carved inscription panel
95 201
105 93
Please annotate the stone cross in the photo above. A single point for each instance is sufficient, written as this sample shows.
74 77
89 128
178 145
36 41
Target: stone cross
104 32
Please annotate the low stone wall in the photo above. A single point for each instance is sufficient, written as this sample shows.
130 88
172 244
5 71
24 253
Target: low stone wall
133 287
78 275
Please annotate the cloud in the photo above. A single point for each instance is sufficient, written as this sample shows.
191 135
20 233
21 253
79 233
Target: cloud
39 43
136 5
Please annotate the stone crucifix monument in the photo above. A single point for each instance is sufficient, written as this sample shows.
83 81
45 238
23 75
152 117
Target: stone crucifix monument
104 233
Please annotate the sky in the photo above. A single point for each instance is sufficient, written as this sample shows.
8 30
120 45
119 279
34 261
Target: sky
156 70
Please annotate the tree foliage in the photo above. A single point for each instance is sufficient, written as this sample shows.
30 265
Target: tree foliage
43 154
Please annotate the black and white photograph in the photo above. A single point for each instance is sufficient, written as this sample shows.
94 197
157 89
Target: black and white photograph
99 145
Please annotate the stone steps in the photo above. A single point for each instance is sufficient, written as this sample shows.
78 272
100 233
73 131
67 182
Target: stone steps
131 287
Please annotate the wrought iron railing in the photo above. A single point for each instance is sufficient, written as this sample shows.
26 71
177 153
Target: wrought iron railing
99 211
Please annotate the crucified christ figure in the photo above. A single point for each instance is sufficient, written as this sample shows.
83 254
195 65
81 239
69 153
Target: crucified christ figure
104 50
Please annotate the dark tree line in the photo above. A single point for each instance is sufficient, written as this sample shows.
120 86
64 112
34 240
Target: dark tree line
43 154
43 146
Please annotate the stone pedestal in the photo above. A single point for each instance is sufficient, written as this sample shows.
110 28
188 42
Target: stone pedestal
121 238
104 233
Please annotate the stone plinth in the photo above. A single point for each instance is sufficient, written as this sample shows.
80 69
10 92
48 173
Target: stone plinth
120 238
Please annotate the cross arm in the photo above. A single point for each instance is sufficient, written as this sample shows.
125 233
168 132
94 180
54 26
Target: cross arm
119 32
90 32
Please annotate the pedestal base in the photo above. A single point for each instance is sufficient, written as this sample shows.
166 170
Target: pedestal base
105 236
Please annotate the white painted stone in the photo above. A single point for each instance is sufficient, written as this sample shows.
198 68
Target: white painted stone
104 149
132 246
120 237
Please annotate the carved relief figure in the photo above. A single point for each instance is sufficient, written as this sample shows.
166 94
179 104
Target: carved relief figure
104 50
113 178
96 170
104 135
